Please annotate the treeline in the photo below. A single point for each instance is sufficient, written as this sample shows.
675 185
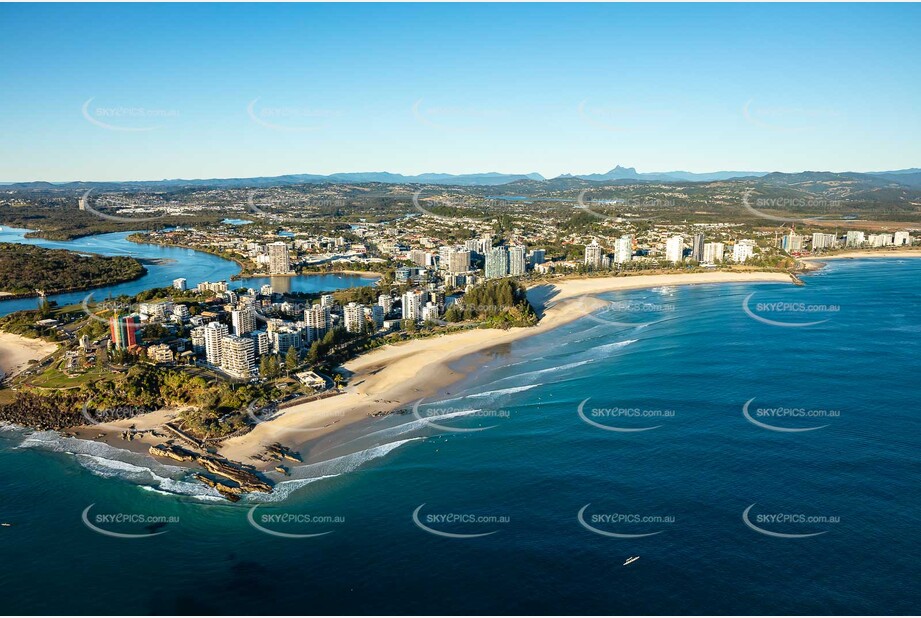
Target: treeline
500 303
25 268
215 408
58 218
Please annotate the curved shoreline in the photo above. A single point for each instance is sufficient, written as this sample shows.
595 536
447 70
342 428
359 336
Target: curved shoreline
865 253
16 351
396 376
82 288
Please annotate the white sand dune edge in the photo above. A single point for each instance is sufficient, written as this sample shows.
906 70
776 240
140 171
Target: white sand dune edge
398 375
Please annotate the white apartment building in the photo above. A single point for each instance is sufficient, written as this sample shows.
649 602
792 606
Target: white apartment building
743 250
319 321
855 239
181 312
430 312
674 249
160 353
354 317
458 261
243 320
901 239
262 342
385 301
824 241
180 284
517 260
412 305
279 262
496 262
881 240
285 337
623 250
214 334
713 252
238 356
198 339
593 254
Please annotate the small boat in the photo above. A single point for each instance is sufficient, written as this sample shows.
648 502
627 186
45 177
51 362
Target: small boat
6 525
631 560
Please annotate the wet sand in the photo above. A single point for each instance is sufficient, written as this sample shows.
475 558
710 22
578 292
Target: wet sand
397 376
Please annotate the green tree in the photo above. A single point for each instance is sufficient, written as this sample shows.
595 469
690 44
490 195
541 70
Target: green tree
291 360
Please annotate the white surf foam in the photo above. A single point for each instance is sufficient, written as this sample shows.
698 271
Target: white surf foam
302 476
610 347
505 391
111 462
416 424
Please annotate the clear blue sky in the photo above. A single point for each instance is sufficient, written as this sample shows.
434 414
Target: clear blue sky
259 90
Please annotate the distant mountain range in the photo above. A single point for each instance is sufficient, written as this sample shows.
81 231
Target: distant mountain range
630 173
908 177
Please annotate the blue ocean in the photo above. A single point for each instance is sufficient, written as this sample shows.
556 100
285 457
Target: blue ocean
747 448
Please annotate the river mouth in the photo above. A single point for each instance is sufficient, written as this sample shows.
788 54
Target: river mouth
164 264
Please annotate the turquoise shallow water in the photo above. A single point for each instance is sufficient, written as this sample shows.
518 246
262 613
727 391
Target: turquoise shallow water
687 365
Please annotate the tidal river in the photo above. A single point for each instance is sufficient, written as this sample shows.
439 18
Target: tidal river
172 263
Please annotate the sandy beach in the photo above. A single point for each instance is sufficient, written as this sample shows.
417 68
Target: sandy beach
17 351
397 376
866 253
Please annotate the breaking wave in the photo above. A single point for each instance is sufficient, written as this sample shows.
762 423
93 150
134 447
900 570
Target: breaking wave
110 462
302 476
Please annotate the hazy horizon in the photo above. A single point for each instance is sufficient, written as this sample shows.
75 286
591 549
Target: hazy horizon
141 92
